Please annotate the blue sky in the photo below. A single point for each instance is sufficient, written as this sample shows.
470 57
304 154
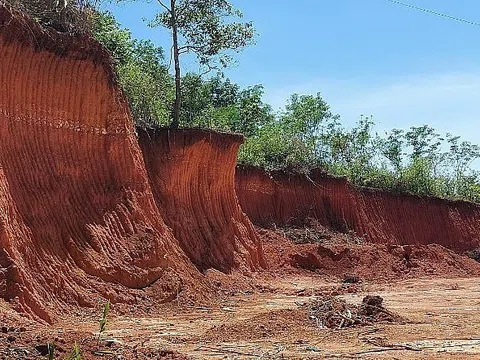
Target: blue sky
369 57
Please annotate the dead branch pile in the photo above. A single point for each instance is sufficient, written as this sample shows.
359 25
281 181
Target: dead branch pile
312 232
335 313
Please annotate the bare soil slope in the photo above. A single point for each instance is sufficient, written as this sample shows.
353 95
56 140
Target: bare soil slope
77 216
341 258
280 199
192 176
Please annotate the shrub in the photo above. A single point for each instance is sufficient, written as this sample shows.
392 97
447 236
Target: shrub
67 16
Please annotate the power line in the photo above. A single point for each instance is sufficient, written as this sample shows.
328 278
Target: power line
436 13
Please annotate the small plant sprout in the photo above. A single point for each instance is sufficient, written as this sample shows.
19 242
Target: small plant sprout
51 351
103 320
75 355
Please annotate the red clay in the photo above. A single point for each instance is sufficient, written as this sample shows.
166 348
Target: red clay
79 221
368 261
280 199
77 216
192 176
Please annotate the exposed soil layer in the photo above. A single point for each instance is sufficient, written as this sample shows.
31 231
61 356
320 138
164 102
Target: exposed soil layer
280 199
78 219
192 176
367 261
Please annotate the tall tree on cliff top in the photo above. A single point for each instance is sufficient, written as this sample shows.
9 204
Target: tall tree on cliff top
205 28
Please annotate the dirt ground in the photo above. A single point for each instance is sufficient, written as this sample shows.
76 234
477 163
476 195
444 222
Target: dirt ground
441 322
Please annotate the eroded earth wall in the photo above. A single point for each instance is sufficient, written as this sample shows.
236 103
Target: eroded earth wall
77 216
280 199
192 176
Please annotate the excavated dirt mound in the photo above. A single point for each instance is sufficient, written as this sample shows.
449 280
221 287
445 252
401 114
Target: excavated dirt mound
192 176
279 199
78 220
366 261
264 326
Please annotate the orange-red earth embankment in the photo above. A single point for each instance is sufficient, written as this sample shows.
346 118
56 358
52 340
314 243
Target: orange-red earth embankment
192 176
280 199
78 220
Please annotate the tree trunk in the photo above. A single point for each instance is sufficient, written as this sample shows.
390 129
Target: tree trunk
176 57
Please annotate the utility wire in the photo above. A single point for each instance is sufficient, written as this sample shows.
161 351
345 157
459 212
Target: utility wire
436 13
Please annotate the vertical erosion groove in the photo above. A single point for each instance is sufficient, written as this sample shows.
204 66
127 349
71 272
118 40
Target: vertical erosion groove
380 217
192 176
77 215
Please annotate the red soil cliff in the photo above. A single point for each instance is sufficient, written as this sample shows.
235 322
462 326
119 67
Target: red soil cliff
380 217
77 216
192 176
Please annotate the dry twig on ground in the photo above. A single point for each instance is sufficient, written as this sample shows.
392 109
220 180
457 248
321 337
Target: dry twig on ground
335 313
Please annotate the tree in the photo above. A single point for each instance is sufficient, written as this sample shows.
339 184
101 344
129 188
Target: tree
308 118
459 159
220 104
363 148
116 40
290 139
141 71
424 141
304 114
252 112
205 29
392 148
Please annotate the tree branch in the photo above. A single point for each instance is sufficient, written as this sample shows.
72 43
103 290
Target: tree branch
186 48
164 6
209 69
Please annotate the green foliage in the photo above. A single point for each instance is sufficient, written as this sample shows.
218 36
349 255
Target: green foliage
270 148
391 148
423 140
75 354
207 29
418 161
252 113
141 71
290 139
103 320
351 153
273 148
116 40
304 114
219 104
417 177
305 134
